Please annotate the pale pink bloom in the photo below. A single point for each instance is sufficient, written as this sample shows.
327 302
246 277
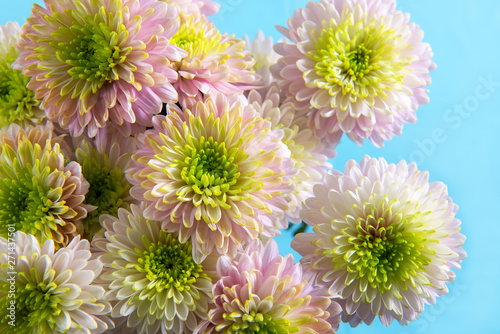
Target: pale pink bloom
215 62
39 134
261 291
216 174
101 63
357 67
385 239
204 7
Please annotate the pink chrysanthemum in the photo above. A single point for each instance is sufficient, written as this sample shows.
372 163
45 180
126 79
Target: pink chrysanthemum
262 292
96 63
385 239
216 173
40 193
35 134
17 103
355 66
308 153
53 290
215 62
204 7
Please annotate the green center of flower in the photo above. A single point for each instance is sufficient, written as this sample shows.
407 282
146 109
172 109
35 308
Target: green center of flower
37 303
357 62
27 199
210 168
256 322
168 264
91 55
192 38
107 189
360 59
17 102
385 253
93 48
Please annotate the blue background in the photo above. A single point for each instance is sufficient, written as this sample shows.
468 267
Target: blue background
455 139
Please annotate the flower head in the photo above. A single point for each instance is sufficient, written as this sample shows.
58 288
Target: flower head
103 166
215 62
261 48
100 63
17 103
262 292
204 7
215 173
354 67
385 239
308 153
154 283
39 193
54 290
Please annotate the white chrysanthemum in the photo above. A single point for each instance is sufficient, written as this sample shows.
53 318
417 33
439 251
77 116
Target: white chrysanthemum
354 67
264 55
155 285
308 153
54 290
385 239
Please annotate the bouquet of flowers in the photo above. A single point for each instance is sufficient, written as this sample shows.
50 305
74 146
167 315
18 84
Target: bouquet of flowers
147 160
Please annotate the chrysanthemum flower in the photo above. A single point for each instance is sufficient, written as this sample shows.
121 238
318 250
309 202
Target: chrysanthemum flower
215 173
101 63
39 193
54 290
204 7
261 49
385 239
103 166
35 134
308 153
155 285
17 102
355 67
262 292
215 62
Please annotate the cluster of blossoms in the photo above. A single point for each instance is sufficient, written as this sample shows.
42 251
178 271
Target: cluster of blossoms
147 160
